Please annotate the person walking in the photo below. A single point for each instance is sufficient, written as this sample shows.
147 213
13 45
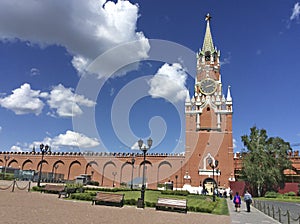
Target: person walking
248 200
237 202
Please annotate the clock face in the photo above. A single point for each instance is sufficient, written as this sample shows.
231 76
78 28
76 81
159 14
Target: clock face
208 86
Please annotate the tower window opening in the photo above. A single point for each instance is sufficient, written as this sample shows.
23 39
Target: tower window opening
208 109
207 56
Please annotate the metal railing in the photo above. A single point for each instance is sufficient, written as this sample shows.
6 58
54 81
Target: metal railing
277 214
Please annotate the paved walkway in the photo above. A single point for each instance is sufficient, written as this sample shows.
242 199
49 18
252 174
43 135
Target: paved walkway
21 207
244 217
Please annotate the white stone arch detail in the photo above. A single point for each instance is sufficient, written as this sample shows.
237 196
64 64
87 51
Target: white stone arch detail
206 158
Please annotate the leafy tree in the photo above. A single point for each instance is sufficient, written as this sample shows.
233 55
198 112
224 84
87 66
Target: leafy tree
264 161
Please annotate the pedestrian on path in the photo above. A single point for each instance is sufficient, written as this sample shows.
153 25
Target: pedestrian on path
237 202
248 200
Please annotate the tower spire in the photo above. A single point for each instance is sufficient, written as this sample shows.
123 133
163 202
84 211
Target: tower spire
208 44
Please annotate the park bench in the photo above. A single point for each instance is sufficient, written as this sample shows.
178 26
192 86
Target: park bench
53 188
67 192
169 204
108 199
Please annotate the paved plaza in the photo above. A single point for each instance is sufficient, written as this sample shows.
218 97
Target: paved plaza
21 207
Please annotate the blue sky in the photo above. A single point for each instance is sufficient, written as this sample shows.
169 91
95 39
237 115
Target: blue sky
97 76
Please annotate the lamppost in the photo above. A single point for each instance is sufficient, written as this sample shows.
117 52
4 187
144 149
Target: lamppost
132 163
44 149
55 169
92 174
181 176
176 177
114 174
6 158
213 165
218 172
141 200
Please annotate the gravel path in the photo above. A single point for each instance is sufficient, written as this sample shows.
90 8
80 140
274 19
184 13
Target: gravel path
21 207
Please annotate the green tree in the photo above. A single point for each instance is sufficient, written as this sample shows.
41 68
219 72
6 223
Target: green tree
264 161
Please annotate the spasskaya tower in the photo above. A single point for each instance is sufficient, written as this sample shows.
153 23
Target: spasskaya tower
208 116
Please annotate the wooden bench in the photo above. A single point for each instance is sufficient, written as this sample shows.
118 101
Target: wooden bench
108 199
53 188
169 204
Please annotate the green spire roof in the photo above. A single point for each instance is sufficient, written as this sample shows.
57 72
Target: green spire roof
208 44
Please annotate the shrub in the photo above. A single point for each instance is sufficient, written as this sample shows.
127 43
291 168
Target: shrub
160 185
82 196
150 204
271 194
9 176
36 188
73 185
130 201
181 193
291 193
94 183
123 184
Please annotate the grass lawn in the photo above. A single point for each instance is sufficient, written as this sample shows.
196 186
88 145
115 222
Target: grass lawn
195 202
292 199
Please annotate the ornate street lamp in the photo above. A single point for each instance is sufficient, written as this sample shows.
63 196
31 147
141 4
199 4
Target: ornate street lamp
6 158
44 149
141 200
176 177
55 170
213 165
114 174
92 174
218 172
132 163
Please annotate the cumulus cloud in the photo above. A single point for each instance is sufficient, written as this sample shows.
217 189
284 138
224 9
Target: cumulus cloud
73 139
135 146
85 28
66 103
24 100
61 100
169 83
296 12
16 149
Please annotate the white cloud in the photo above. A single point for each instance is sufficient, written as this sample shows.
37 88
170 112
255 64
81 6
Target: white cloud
73 139
85 28
169 83
234 143
24 100
66 103
0 128
226 60
136 146
34 71
63 101
16 149
296 12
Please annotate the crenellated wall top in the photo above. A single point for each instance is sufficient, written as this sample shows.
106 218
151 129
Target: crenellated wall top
101 154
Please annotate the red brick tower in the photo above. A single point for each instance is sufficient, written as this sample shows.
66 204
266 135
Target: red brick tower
208 121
